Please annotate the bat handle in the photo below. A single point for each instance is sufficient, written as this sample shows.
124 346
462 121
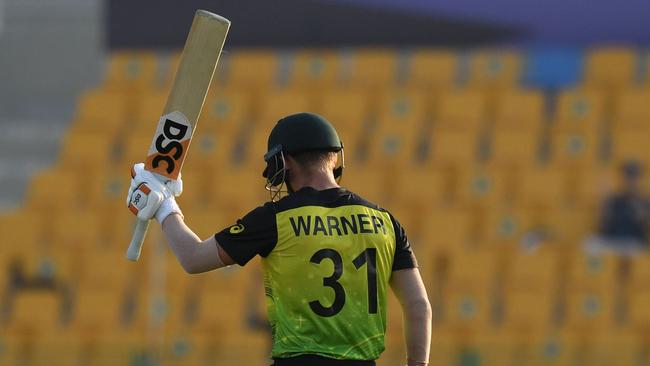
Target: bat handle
133 253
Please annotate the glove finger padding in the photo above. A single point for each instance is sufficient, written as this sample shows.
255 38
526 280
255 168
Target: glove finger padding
145 202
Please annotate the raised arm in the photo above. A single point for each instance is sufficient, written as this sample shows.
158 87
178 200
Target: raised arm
194 254
409 289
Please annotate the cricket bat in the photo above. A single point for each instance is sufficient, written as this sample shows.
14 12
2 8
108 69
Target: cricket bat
178 122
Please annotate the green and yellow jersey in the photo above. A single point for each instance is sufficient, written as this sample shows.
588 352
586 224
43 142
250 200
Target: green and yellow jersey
327 258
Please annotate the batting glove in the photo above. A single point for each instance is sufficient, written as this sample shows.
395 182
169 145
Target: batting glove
151 196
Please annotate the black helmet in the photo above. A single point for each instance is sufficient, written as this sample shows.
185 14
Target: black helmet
298 133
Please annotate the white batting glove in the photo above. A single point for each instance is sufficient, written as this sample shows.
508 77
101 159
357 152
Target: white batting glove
151 197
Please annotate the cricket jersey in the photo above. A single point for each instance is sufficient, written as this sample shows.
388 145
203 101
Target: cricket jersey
327 258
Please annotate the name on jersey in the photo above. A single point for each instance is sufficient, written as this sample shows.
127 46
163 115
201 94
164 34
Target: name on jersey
337 225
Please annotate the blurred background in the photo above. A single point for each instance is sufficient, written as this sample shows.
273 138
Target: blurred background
510 138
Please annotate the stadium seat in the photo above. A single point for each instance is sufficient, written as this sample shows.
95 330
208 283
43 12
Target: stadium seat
589 310
371 184
210 150
422 188
588 272
103 112
83 150
610 68
315 69
553 68
348 110
516 133
35 312
281 103
495 68
252 69
369 67
579 110
576 149
531 289
458 124
432 69
401 116
486 186
150 106
468 296
569 227
448 230
543 186
132 71
225 113
55 189
109 186
507 227
630 145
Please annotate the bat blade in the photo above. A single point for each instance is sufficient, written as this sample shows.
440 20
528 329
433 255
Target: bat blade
176 127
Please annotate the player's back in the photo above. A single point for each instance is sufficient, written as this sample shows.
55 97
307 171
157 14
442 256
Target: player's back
327 276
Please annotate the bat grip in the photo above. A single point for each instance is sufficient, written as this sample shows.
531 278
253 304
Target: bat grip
133 253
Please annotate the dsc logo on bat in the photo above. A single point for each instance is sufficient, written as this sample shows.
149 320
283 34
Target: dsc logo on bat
169 145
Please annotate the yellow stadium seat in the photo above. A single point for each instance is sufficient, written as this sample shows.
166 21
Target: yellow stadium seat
543 187
149 108
102 111
400 122
517 127
422 188
35 312
252 68
543 348
371 184
579 110
209 149
447 230
631 145
369 67
83 150
281 103
98 310
536 271
639 310
468 296
576 148
108 187
458 124
130 70
56 189
495 68
614 347
640 272
239 189
591 184
589 310
315 68
520 110
135 149
507 226
588 272
486 186
225 113
632 111
433 69
612 67
348 110
569 227
76 230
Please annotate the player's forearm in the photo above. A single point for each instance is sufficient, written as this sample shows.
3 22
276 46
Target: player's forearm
417 318
194 255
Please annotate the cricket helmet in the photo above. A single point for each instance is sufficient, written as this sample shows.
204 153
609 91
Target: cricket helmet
297 133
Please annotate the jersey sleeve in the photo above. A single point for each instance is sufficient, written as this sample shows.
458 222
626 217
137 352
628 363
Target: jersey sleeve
254 234
404 256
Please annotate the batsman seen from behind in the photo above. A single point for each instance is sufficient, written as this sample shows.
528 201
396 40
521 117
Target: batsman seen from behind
328 255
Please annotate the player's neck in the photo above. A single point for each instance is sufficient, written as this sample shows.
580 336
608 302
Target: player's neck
318 181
